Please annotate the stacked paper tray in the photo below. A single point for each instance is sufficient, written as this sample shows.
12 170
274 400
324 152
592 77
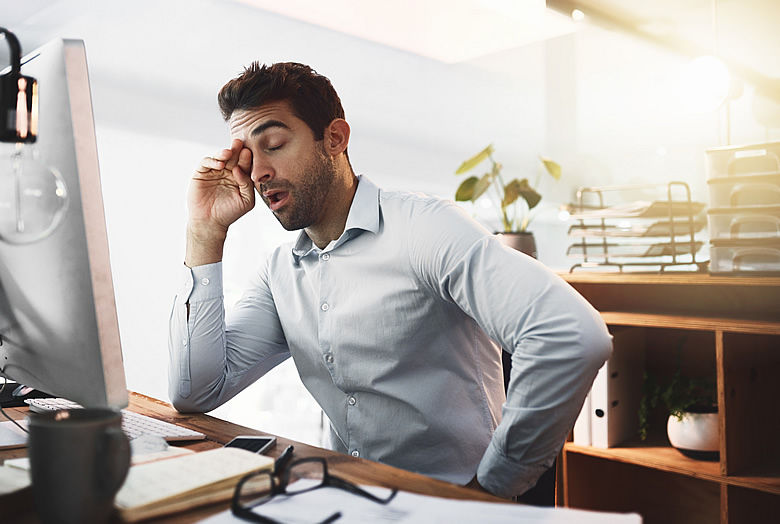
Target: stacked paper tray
604 250
638 232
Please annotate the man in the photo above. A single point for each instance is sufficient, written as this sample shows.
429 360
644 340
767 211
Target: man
393 305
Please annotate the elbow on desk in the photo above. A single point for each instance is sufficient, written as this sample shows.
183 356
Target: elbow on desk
186 406
187 402
182 406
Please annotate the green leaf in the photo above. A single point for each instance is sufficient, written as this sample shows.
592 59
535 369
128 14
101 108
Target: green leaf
552 167
532 197
482 186
472 162
520 188
512 192
466 190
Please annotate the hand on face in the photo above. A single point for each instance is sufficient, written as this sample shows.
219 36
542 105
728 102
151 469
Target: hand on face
221 190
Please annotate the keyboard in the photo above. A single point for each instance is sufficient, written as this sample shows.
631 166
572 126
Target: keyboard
133 424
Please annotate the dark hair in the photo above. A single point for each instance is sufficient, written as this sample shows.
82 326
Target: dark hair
310 94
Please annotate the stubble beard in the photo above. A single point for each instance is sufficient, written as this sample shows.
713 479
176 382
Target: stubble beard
310 197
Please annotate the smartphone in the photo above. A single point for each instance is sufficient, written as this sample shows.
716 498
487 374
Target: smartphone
252 443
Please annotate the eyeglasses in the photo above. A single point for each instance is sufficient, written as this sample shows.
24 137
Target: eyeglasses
256 489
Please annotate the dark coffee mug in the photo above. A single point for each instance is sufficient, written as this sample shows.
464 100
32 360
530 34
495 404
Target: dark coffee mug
79 459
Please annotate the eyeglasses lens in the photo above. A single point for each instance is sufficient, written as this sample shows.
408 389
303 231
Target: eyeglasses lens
313 471
255 490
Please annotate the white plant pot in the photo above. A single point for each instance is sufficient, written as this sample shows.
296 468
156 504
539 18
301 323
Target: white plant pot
696 435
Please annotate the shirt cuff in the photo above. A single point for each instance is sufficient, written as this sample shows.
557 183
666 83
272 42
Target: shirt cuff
200 283
503 477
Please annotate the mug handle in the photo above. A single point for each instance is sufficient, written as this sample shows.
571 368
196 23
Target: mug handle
115 463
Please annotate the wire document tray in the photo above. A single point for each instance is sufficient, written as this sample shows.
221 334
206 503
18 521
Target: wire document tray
657 231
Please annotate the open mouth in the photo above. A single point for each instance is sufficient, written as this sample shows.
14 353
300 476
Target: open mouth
276 199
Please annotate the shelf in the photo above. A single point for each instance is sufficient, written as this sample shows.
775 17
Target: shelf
731 328
686 321
743 304
677 279
655 456
665 458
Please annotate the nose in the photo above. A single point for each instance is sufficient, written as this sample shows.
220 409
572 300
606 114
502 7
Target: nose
262 171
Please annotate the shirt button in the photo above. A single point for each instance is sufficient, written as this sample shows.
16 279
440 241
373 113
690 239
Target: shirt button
184 342
326 256
329 358
351 401
355 453
205 281
325 306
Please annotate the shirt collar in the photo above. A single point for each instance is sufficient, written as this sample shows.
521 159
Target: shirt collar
363 216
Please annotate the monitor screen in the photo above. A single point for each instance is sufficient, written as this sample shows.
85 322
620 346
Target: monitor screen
59 331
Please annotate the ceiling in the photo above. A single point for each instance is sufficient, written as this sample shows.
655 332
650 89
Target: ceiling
743 33
449 31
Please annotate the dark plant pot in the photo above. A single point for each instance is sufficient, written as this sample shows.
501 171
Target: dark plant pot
696 435
521 241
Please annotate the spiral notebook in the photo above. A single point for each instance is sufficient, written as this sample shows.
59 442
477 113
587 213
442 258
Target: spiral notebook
175 484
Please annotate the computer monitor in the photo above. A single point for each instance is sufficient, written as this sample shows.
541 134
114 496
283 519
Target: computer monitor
59 331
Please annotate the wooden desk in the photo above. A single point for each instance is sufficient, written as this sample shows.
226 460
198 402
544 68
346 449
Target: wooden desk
219 432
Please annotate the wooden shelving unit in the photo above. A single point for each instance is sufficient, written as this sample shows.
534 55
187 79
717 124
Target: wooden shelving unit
731 329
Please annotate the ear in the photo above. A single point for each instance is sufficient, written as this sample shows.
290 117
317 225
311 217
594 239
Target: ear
337 137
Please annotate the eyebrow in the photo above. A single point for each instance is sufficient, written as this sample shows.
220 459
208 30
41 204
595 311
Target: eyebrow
267 125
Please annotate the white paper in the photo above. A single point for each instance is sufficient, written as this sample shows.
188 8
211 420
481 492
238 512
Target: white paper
11 436
411 508
13 479
22 463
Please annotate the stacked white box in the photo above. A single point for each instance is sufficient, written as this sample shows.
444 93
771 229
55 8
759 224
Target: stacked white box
744 208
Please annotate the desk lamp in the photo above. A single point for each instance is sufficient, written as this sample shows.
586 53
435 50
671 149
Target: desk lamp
33 196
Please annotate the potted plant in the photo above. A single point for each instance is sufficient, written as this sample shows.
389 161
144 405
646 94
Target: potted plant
692 424
514 200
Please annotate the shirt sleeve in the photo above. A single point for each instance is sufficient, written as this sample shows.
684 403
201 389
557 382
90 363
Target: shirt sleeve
213 356
557 339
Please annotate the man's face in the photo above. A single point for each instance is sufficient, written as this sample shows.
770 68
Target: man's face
290 169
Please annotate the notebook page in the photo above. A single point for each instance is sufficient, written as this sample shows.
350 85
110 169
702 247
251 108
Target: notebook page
176 477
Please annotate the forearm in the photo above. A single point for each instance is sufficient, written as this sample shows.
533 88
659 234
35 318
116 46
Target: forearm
205 243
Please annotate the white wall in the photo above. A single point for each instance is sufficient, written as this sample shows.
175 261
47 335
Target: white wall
602 104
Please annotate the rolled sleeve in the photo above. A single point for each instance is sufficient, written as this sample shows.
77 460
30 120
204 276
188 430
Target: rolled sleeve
197 285
505 477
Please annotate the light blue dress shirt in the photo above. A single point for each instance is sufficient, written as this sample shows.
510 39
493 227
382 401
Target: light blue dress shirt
395 329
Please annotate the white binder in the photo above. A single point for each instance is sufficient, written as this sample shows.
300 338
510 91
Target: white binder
617 390
582 431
